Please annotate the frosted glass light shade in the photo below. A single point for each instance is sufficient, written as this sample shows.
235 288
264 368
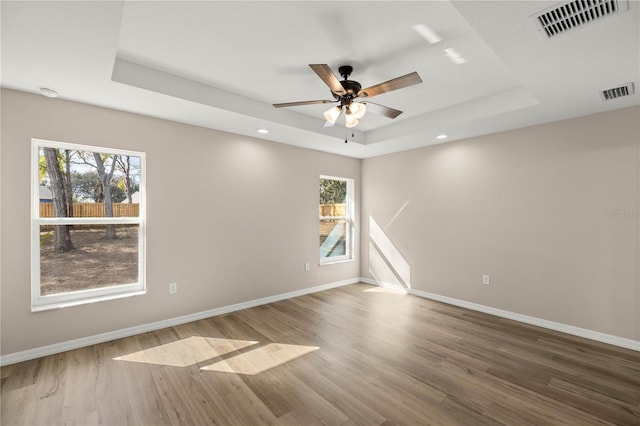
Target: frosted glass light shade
358 110
351 121
331 115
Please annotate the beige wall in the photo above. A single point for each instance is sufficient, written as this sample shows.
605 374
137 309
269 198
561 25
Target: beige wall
532 208
220 254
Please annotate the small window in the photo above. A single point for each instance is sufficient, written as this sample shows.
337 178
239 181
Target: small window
88 224
336 219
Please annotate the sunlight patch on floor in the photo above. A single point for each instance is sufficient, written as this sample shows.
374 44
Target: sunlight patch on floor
398 291
185 352
261 359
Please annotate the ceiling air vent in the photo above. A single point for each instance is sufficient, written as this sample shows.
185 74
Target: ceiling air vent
575 14
618 92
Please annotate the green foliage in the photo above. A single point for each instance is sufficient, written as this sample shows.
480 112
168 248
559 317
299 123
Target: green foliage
85 182
42 170
42 166
333 191
87 186
118 193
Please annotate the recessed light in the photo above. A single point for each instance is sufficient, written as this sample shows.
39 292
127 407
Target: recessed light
263 131
49 93
442 136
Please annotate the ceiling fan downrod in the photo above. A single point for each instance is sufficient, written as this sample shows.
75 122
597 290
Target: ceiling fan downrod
345 71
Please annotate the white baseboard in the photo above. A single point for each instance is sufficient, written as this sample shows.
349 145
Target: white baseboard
564 328
126 332
171 322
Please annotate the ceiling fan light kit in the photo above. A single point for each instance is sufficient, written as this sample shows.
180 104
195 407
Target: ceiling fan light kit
332 114
355 111
358 109
350 121
346 91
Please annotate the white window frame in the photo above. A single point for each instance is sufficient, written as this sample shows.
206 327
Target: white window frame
349 223
61 300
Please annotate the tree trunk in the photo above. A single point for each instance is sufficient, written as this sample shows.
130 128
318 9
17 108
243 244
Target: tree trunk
99 195
127 179
67 183
62 232
105 179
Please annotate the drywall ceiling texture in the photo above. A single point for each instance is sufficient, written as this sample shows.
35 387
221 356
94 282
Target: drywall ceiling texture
230 218
222 64
549 212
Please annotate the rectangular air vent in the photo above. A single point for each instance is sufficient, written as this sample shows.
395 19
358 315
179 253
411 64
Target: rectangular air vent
575 14
618 92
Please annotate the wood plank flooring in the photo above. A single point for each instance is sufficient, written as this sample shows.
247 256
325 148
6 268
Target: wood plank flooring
355 355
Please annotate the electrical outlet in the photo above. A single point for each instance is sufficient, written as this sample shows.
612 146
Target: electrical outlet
486 279
173 288
307 267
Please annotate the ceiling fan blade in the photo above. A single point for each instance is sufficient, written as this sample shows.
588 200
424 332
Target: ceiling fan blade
290 104
328 124
329 78
394 84
382 110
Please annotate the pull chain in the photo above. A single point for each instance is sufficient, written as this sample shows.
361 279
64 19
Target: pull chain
345 134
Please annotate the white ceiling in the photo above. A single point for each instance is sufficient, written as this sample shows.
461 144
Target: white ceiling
222 64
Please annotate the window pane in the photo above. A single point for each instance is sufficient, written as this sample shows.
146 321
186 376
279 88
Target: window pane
333 237
333 197
71 183
91 260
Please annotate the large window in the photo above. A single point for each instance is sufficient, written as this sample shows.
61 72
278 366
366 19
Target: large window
336 219
88 224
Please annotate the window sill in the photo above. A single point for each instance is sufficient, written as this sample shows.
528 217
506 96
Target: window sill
333 262
69 303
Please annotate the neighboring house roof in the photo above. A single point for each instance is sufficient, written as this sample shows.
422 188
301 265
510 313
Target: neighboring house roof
135 198
45 193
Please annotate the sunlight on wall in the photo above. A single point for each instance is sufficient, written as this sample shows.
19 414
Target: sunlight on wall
386 264
261 359
395 216
186 352
380 270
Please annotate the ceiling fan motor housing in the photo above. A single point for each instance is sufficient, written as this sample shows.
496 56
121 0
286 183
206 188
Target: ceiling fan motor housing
352 88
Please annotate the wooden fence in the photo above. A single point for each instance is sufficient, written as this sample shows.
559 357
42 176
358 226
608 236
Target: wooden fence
93 210
132 210
333 209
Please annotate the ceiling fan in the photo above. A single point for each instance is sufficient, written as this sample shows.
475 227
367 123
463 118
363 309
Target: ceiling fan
347 91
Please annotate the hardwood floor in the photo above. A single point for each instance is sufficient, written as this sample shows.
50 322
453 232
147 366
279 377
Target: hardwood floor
355 355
